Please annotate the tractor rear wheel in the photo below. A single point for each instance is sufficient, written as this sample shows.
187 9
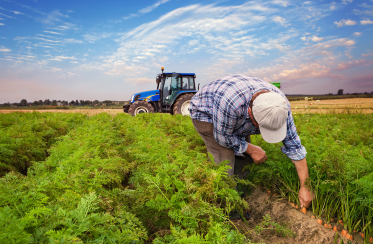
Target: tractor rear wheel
140 107
182 104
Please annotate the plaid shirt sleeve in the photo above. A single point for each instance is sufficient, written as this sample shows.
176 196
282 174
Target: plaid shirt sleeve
292 144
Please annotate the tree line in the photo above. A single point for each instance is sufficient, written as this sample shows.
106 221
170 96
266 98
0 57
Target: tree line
48 102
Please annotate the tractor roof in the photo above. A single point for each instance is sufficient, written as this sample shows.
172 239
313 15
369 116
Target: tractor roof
181 73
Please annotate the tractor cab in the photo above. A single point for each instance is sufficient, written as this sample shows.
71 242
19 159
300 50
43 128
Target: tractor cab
173 85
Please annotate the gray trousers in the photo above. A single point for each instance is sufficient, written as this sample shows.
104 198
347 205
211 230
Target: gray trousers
220 153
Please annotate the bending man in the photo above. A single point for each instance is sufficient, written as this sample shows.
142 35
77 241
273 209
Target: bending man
227 111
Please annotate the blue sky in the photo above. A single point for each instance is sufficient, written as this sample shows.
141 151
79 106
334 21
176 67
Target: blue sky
68 50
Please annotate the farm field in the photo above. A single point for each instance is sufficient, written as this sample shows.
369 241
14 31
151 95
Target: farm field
354 105
108 178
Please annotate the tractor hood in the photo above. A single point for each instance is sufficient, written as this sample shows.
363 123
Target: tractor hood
152 95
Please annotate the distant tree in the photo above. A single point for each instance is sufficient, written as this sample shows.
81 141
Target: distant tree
108 102
340 92
40 102
23 102
6 104
81 102
35 103
77 103
72 102
87 102
47 102
54 103
365 92
95 102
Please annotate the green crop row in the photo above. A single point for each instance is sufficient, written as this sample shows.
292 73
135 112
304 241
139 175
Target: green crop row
25 137
340 161
121 179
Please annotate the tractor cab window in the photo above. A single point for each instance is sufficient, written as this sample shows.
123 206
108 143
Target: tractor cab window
166 87
188 83
171 87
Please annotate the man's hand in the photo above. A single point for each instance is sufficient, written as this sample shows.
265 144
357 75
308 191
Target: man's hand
256 153
305 197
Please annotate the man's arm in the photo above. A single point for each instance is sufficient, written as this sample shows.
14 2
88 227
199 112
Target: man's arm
305 195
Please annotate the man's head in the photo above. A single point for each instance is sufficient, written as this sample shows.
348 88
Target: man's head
270 112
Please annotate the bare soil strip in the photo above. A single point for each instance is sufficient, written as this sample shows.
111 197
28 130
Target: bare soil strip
306 228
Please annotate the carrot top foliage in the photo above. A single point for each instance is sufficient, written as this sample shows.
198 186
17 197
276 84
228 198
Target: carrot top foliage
123 179
25 137
340 161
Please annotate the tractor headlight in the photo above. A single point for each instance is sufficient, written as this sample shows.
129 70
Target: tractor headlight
132 98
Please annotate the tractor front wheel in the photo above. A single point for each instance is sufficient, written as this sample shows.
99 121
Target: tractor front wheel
182 104
140 107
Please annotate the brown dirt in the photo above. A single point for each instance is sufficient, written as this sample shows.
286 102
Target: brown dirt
84 111
307 229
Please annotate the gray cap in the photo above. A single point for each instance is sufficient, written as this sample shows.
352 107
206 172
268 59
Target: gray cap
270 110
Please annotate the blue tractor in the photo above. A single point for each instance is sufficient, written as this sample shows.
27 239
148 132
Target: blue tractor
173 95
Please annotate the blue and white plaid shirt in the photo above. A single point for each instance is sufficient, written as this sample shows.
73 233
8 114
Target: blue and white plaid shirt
225 102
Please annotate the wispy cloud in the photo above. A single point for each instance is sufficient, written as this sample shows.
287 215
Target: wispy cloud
366 22
347 1
92 37
7 16
4 49
317 39
152 7
53 32
61 58
280 20
54 69
143 10
53 17
345 22
20 13
283 3
357 33
47 40
72 41
1 24
353 63
365 10
314 61
14 12
28 7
